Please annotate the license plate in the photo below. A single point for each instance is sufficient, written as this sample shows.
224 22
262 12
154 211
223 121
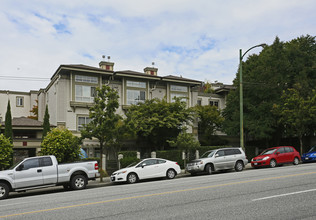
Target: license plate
189 168
306 158
255 163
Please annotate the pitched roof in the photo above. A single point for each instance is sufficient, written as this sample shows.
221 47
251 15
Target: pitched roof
25 122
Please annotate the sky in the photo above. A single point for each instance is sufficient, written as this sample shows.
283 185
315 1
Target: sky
197 39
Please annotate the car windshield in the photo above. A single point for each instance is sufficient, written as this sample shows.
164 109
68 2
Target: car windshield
312 149
268 151
208 154
132 164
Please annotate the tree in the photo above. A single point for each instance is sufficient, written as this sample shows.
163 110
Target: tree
6 152
34 110
8 124
209 120
297 113
277 68
46 124
62 144
104 122
156 121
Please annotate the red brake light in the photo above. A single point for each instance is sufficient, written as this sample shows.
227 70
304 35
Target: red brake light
96 166
177 163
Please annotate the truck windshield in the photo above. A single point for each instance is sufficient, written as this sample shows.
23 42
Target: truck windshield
208 154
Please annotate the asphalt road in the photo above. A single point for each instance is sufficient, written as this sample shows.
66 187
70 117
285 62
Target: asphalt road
286 192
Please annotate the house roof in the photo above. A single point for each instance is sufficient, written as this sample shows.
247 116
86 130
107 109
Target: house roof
25 122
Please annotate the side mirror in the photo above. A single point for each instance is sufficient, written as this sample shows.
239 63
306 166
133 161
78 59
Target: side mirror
143 164
216 155
277 153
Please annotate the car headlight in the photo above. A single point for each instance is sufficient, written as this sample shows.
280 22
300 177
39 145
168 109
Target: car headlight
265 158
199 163
314 154
121 172
252 159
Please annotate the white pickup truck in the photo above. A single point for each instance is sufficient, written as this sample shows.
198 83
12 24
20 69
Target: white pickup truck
44 171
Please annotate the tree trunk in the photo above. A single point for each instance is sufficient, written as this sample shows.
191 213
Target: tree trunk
301 144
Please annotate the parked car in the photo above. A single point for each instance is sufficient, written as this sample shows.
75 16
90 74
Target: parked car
219 159
44 171
276 155
310 156
146 169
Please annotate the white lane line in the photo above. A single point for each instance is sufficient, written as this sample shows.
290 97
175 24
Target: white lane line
286 194
13 204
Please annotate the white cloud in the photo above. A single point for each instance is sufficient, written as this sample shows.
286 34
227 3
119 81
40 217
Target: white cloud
196 39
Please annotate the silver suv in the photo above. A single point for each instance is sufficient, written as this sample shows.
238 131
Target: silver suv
219 159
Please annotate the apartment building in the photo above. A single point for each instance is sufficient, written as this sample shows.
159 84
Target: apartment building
72 88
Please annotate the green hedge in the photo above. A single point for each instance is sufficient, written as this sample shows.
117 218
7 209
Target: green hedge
128 153
127 161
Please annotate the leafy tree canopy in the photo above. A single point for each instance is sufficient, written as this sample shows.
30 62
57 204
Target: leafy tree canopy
6 151
277 68
62 144
157 121
105 124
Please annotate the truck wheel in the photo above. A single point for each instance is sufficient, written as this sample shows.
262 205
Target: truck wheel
4 191
78 182
208 169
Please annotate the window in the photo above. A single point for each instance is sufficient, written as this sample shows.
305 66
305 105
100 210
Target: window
175 88
214 103
281 150
31 163
161 161
82 121
85 93
135 96
220 153
19 101
199 102
135 84
86 79
136 92
46 161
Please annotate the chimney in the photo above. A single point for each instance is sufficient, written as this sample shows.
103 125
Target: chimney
151 71
106 65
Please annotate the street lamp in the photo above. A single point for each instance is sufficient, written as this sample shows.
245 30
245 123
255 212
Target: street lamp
241 94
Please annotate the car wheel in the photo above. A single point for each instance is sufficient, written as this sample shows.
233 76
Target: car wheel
78 182
4 191
132 178
208 169
273 163
171 174
239 166
296 161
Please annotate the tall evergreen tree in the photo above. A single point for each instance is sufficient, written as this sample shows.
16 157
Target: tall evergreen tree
46 125
8 123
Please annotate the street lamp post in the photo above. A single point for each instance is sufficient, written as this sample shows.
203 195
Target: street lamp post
241 56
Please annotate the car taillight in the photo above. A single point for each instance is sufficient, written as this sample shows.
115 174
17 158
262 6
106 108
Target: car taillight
96 166
177 163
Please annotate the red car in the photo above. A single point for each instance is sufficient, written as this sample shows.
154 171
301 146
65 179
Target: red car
276 155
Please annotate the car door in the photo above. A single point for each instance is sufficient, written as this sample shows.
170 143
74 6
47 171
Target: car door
219 160
147 169
28 174
280 155
49 171
289 154
162 167
230 158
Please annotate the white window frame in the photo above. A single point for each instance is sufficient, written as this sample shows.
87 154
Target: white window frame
86 79
19 101
134 87
81 125
85 88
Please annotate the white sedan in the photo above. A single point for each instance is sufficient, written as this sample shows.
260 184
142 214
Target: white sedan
147 168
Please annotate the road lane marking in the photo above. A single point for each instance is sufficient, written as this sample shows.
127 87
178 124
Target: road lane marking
13 204
285 194
156 194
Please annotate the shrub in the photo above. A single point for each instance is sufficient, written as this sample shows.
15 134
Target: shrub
128 160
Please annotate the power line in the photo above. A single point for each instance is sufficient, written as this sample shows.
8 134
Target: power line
24 78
